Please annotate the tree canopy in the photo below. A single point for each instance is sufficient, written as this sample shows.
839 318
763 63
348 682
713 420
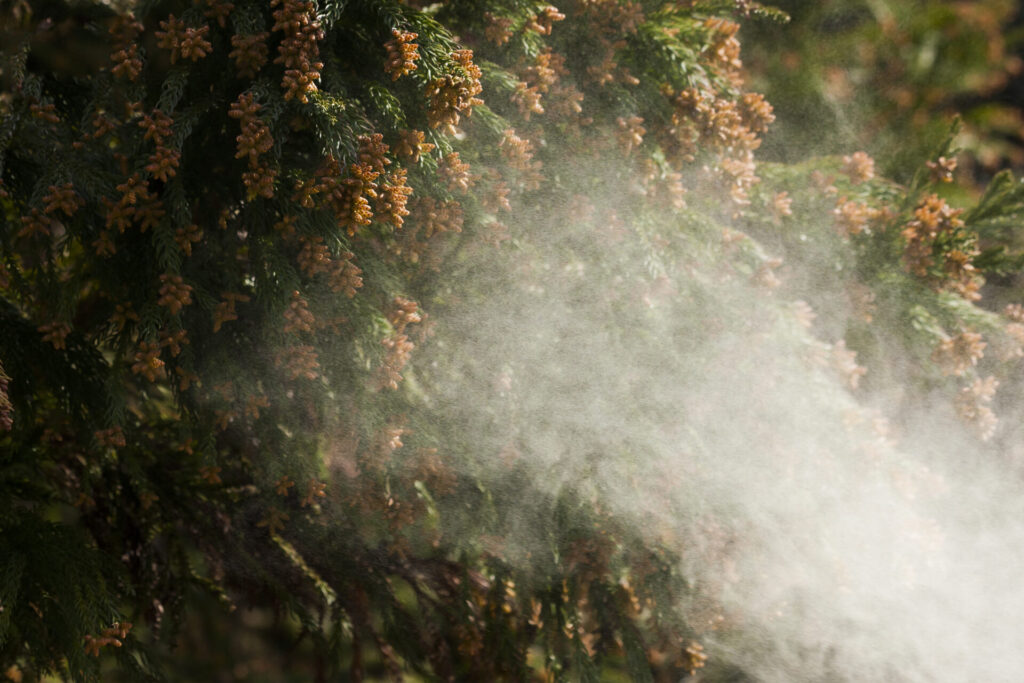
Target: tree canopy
379 340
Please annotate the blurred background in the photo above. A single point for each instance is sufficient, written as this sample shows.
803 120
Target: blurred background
888 77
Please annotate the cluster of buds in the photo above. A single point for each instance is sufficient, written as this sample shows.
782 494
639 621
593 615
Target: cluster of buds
173 341
6 409
218 10
402 54
399 350
386 441
44 112
282 485
404 312
36 223
956 355
942 169
613 18
299 361
498 29
859 167
183 42
253 141
186 235
373 151
392 197
455 173
125 31
961 275
544 19
314 256
163 162
782 205
349 198
224 311
259 182
255 138
149 212
972 405
55 333
695 657
157 126
741 173
174 293
61 198
102 125
664 187
938 232
724 49
545 71
680 138
721 125
110 636
298 51
411 145
305 189
345 276
518 154
853 218
757 112
147 362
136 204
496 197
454 95
527 99
249 53
630 134
123 313
437 217
566 102
298 316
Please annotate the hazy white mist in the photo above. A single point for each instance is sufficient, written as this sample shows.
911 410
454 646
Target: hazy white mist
690 401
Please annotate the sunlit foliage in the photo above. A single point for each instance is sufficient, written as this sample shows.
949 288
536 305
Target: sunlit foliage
233 234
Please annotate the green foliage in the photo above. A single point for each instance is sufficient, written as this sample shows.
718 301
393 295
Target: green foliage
232 414
887 76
